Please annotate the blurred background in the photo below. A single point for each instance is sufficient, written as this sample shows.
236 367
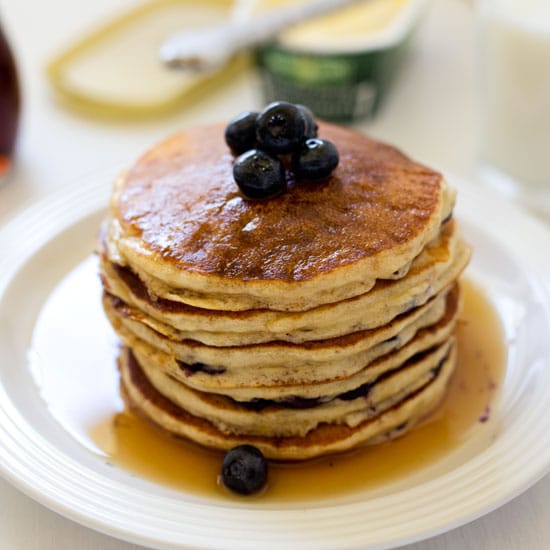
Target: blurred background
461 86
74 126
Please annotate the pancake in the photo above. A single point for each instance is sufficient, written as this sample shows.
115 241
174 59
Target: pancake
305 324
307 384
178 219
288 380
436 268
298 417
142 397
343 352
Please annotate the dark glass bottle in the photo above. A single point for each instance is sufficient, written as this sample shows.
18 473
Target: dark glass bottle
9 106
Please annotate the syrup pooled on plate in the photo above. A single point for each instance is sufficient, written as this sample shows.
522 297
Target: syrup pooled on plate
139 447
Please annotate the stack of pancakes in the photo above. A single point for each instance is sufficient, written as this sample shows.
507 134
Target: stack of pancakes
305 324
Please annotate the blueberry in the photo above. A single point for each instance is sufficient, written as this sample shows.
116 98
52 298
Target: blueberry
316 159
244 470
240 133
311 125
280 127
259 175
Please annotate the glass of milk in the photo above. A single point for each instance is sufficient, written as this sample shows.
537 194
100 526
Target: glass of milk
514 56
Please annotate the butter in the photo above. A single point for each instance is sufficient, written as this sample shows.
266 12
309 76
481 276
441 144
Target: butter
348 27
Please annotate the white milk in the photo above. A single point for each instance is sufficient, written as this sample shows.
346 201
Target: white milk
515 87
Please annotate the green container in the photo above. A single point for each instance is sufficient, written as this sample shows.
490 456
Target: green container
345 85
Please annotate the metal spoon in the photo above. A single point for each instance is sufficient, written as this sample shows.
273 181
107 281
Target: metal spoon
208 48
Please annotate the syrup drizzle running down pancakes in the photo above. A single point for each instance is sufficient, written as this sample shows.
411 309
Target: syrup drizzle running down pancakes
474 387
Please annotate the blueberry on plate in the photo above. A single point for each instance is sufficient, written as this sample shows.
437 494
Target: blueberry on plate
244 470
311 125
280 127
259 175
316 159
240 133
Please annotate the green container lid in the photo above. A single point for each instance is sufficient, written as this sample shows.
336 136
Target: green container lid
342 84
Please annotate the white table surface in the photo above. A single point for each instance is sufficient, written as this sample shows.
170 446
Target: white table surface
430 114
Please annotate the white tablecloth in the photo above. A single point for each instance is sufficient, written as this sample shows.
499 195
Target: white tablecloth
431 114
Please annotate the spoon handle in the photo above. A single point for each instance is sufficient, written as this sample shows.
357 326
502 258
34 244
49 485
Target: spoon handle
207 48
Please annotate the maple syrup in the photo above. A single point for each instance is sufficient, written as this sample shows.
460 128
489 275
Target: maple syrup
9 106
137 446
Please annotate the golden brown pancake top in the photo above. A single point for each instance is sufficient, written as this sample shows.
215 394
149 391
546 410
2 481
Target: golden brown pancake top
181 200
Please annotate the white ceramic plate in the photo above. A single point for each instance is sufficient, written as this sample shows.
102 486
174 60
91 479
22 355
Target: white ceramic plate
46 460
